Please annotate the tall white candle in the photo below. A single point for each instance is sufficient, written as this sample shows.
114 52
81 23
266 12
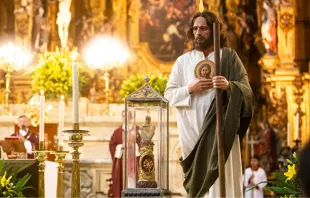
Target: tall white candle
288 134
75 91
61 120
106 84
297 126
41 129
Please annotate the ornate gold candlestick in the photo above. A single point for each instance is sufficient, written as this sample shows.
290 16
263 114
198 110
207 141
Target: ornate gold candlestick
7 91
11 58
41 156
75 141
60 159
106 111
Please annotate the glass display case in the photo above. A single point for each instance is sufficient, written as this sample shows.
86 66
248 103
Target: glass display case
146 144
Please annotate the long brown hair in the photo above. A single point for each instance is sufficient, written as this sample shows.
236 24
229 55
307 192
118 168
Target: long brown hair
210 19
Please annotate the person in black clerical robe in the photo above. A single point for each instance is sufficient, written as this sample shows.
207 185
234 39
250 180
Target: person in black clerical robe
116 150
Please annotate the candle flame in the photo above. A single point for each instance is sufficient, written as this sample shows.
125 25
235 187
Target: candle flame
201 7
42 92
62 97
74 55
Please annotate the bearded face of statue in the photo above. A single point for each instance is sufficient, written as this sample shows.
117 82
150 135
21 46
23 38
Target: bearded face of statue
203 38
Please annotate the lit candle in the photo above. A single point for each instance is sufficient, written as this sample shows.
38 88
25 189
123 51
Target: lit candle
41 129
288 134
75 90
61 120
297 126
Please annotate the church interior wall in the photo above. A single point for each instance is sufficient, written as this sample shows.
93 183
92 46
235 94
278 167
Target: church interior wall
280 80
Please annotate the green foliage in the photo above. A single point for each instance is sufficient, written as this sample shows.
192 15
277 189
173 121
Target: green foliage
10 186
54 74
283 187
286 184
135 82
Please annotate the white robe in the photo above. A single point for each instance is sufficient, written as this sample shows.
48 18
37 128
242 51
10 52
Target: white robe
191 111
259 176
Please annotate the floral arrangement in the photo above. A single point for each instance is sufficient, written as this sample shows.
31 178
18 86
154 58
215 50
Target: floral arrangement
158 82
54 74
10 186
287 184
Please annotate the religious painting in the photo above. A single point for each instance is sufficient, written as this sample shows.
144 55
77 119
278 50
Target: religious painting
163 25
204 69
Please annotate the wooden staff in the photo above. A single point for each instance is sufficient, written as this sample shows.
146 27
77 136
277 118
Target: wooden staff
219 112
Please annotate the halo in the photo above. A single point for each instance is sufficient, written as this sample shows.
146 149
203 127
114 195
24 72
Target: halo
202 64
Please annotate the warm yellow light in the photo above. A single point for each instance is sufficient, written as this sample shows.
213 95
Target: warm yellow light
42 92
105 52
201 7
62 97
15 56
74 55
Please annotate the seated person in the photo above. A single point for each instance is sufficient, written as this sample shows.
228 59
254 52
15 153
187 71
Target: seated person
31 140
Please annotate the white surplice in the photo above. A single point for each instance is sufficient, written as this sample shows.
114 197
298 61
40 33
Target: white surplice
259 176
191 111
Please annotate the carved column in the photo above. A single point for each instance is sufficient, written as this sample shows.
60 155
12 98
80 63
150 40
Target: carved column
88 19
302 53
133 22
283 72
23 13
214 5
277 104
299 113
3 21
232 7
286 33
259 12
120 17
279 89
52 17
305 127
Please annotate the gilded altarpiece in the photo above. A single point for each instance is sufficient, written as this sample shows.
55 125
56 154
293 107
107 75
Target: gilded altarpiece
305 127
23 14
286 32
286 96
285 89
146 58
91 18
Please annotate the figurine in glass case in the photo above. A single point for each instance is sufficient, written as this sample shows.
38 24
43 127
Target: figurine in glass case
146 162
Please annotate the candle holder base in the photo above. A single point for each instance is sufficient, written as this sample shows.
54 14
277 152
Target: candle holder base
75 142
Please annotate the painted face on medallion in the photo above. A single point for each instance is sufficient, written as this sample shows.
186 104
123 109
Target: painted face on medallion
205 71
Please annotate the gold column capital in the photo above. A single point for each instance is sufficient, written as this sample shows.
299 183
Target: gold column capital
60 159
